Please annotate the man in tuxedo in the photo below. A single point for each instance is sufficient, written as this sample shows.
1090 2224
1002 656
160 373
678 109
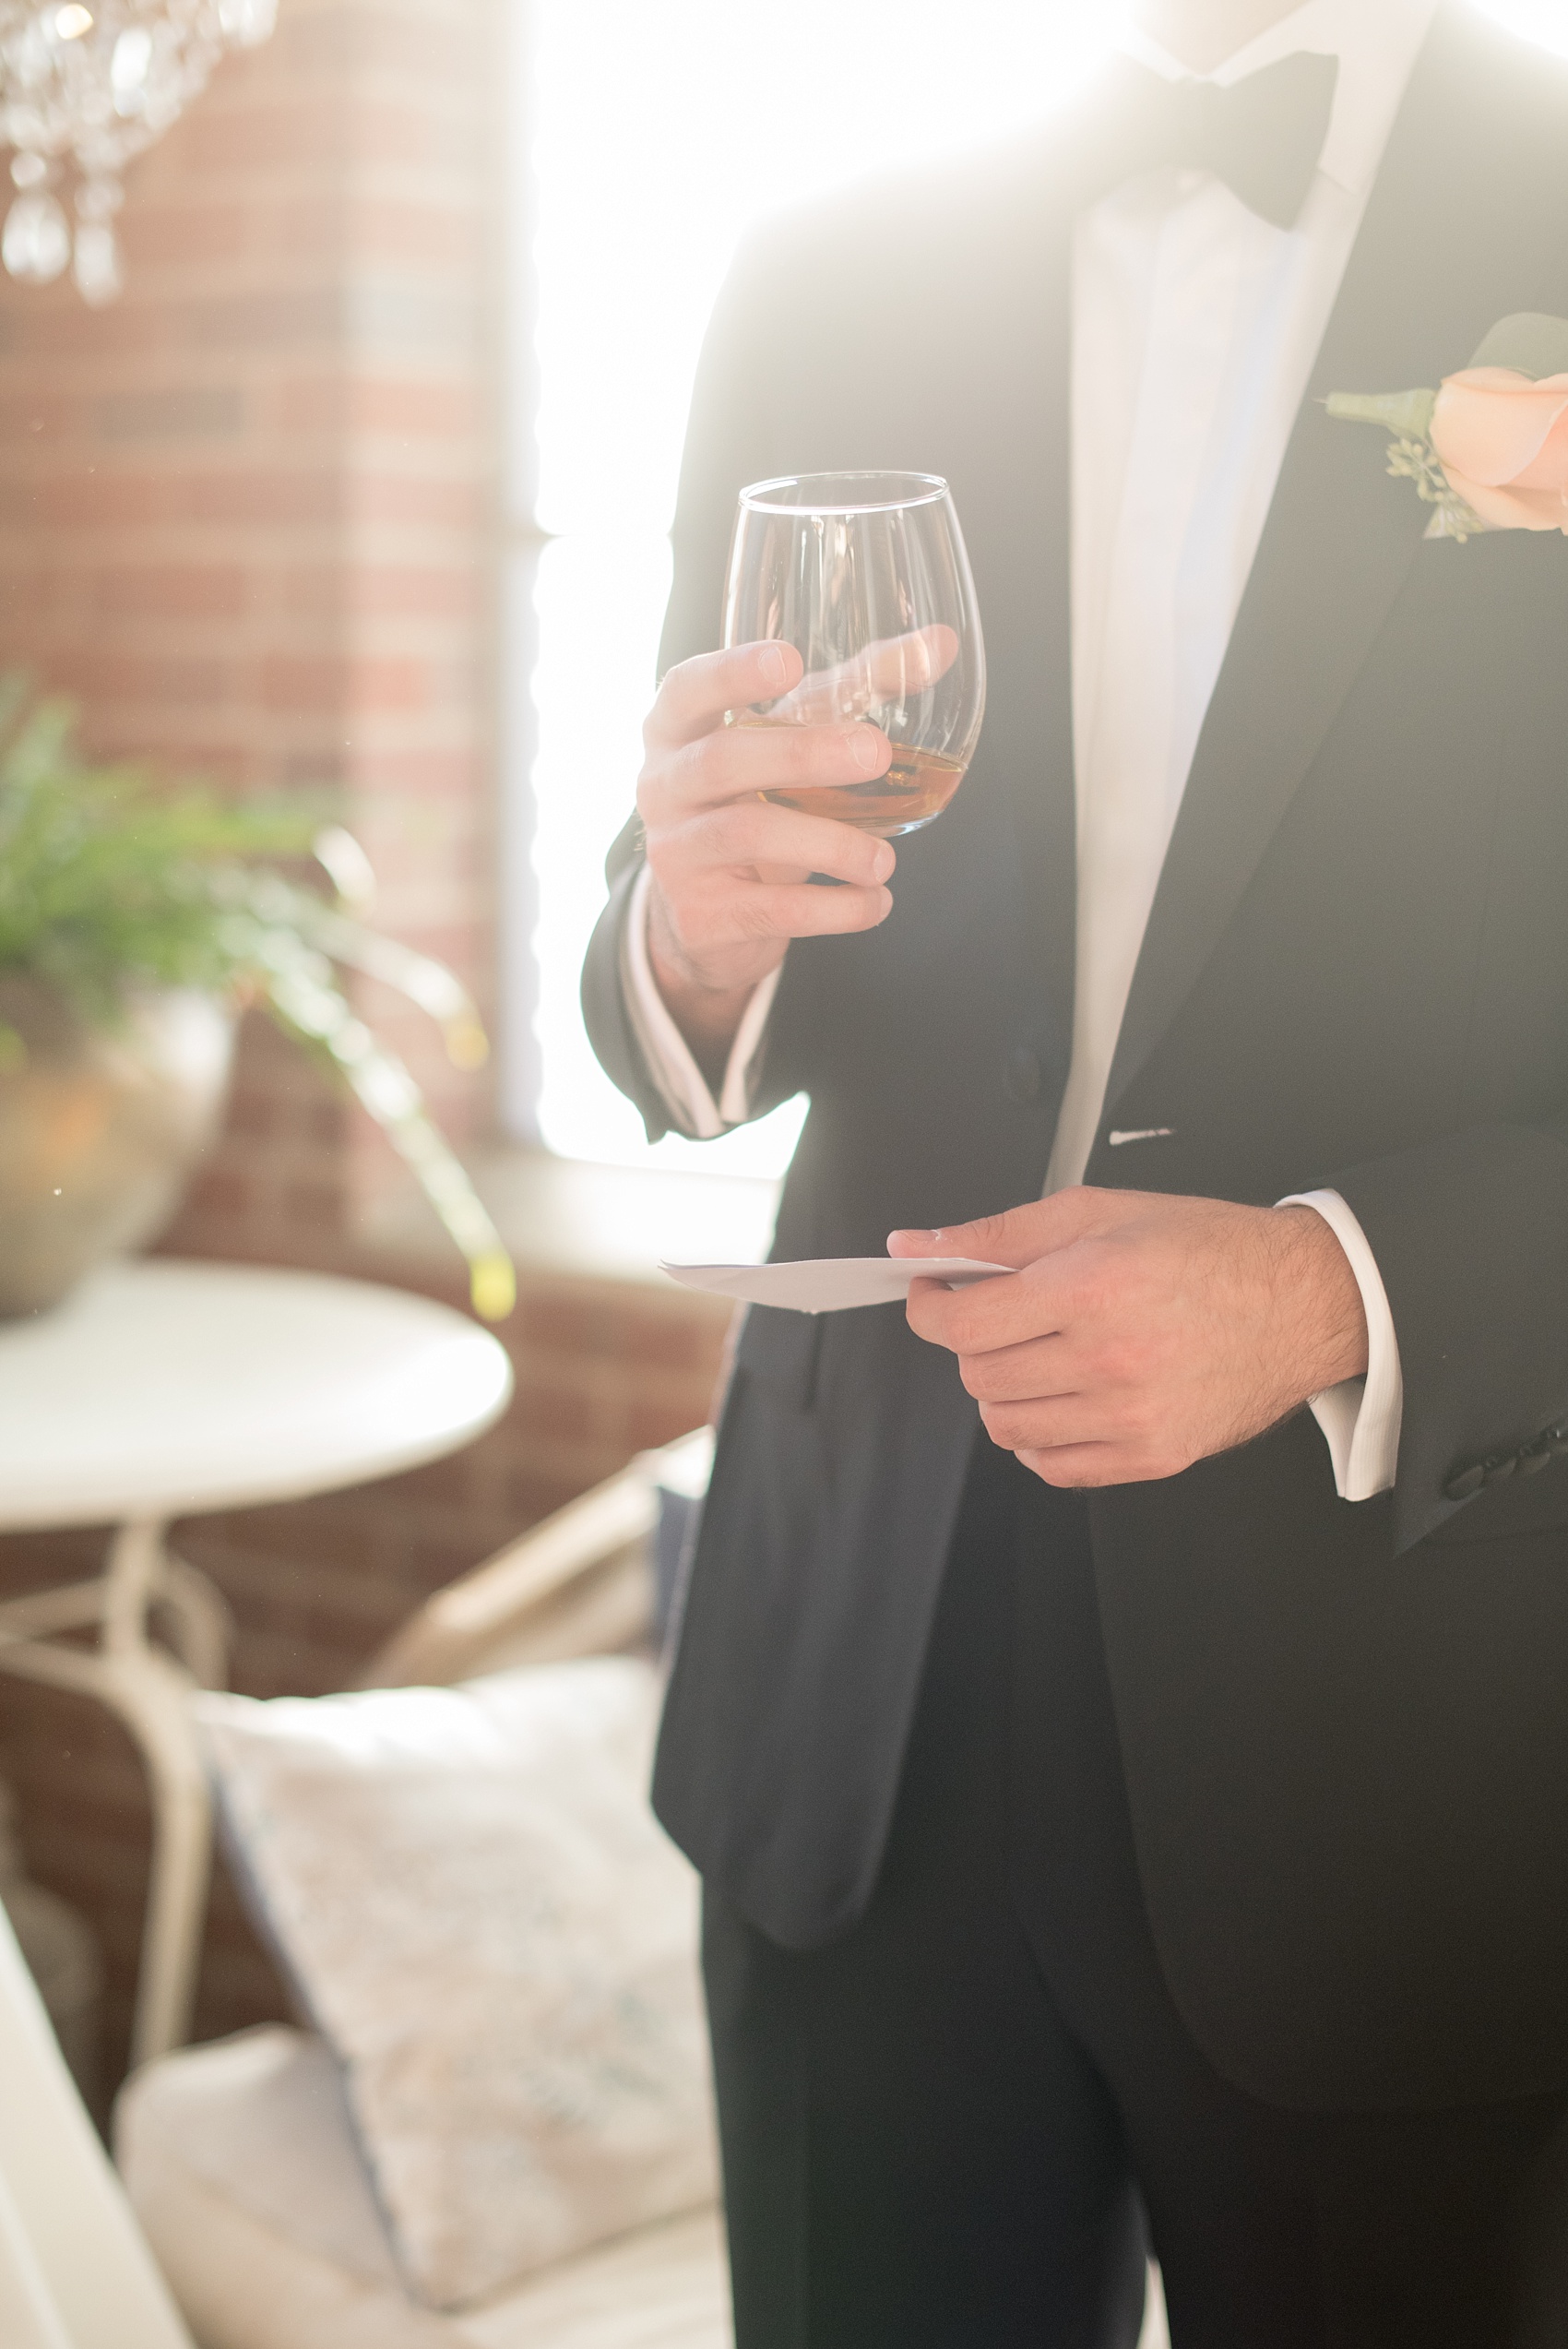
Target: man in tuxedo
1121 1711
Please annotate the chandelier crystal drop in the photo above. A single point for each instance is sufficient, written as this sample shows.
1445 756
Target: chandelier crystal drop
85 87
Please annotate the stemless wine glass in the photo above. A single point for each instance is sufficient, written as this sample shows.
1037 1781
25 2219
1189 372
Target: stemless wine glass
866 575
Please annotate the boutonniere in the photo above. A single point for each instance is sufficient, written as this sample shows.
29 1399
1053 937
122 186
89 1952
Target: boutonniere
1489 449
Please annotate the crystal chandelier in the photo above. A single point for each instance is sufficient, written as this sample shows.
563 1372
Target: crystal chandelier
84 87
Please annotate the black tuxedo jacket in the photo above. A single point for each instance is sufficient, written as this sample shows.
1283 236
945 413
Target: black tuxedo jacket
1345 1727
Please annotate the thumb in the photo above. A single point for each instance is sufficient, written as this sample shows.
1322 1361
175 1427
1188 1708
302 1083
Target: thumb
1015 1238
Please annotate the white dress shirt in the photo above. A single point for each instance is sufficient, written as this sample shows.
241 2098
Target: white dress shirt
1195 326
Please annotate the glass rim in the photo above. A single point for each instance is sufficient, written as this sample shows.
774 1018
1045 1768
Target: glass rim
918 489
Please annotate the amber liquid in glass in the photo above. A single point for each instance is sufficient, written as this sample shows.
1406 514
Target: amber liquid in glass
915 790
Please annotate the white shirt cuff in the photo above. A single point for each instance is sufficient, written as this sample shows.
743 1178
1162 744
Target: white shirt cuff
1360 1418
687 1094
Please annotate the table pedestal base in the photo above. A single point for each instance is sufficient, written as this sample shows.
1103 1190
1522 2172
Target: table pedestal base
150 1688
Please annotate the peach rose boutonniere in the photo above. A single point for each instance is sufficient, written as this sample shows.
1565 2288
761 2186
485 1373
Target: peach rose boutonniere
1489 449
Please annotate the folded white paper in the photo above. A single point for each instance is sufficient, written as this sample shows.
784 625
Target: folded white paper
831 1283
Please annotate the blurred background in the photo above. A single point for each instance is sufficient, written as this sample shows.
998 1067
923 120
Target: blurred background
362 482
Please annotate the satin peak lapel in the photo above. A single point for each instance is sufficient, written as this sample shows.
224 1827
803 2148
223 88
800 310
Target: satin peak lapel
1022 464
1336 547
1027 742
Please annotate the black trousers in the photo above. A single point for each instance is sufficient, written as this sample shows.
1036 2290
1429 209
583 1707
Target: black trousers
949 2129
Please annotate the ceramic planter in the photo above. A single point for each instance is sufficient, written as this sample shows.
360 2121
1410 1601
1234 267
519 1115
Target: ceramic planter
99 1127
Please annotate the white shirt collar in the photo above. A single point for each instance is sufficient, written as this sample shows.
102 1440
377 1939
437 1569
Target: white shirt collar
1376 43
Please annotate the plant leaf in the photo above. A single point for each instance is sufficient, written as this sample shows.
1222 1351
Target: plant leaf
111 877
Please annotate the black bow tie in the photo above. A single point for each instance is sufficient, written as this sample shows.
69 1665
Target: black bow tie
1262 136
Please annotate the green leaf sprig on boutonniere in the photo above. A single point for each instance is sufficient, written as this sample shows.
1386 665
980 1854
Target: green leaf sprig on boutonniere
1488 450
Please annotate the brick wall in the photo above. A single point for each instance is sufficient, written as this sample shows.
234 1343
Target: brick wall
248 510
249 515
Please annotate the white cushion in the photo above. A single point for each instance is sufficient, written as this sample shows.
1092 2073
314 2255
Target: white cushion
241 2167
499 1945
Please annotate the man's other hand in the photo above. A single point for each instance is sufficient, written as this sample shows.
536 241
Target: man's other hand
1141 1332
731 871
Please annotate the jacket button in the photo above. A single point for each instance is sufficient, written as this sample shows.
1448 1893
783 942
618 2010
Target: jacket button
1499 1468
1020 1075
1459 1488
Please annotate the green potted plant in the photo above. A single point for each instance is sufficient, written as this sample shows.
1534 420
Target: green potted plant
137 919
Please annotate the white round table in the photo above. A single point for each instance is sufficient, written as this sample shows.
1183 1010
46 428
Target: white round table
160 1389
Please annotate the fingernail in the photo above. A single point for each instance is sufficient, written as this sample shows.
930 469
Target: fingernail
770 667
866 750
883 861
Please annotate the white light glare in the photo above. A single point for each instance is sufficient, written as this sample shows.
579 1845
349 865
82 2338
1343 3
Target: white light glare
133 55
1543 21
71 22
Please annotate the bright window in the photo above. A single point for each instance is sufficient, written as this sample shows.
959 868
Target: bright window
657 130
